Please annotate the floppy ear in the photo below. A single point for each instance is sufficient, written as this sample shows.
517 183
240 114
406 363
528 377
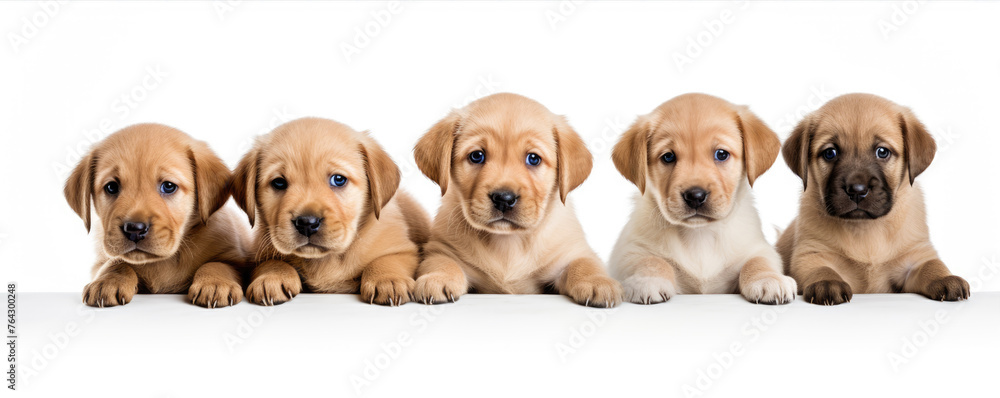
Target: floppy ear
211 179
80 188
383 174
919 145
796 149
760 143
433 151
244 184
631 153
573 161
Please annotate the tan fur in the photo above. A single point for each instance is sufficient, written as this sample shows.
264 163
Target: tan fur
193 244
370 236
831 257
539 245
670 248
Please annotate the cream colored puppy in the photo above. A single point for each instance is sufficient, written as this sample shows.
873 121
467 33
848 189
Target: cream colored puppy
694 228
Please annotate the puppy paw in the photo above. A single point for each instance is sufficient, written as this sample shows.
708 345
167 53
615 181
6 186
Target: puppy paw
949 288
390 291
109 291
827 293
215 293
439 287
771 288
648 289
273 288
596 291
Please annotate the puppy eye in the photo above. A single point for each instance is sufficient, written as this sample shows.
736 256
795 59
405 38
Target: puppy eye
168 188
721 155
477 157
882 152
668 157
338 180
279 184
533 159
830 154
112 188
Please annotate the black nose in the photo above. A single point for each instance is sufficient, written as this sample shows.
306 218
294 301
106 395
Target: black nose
695 197
503 200
307 225
135 231
856 191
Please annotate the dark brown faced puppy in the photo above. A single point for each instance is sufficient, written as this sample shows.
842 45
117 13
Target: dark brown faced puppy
156 192
861 224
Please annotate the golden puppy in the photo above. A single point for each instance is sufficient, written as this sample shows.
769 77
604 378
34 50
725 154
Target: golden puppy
158 195
324 197
861 225
505 165
694 228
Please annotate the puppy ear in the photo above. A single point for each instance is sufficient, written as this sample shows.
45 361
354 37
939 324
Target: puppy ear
760 143
796 149
919 146
211 179
79 188
383 174
244 183
433 152
631 153
574 161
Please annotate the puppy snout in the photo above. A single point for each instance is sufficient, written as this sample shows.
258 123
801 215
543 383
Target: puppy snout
307 225
695 197
503 200
135 231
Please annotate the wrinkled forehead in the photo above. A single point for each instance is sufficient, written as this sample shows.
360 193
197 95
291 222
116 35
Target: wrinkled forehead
859 126
696 127
303 151
139 158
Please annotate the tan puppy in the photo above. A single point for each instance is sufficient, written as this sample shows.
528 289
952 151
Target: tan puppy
324 198
505 165
157 191
694 228
861 224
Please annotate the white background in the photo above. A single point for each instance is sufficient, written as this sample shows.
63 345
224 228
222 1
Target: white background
225 73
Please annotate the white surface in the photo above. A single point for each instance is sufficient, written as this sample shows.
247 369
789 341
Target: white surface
511 346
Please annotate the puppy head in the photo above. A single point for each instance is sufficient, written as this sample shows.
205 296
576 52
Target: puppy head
856 152
311 183
693 152
149 184
508 157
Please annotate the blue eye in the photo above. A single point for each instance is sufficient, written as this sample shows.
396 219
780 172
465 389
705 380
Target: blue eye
477 157
168 187
721 155
338 180
882 152
111 188
830 154
533 159
279 184
668 157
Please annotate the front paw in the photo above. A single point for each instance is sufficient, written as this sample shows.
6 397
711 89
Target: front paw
215 293
828 293
274 288
648 289
440 287
596 291
109 291
771 288
389 290
949 288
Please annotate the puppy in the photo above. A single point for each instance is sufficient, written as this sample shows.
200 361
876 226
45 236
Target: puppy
328 215
505 165
694 228
158 194
861 225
